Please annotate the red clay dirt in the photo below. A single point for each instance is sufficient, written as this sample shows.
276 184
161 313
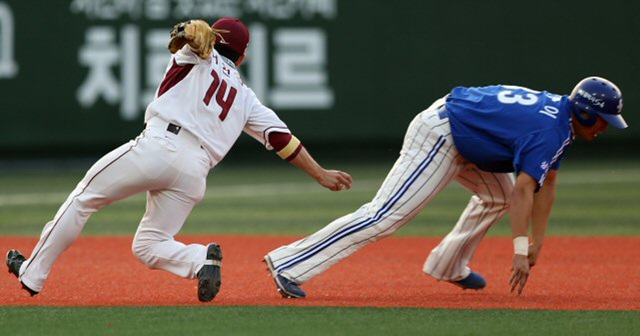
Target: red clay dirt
573 273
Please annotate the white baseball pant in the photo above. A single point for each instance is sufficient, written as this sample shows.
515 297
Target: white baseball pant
172 168
428 162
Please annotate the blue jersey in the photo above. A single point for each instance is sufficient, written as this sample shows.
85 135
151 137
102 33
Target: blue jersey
505 128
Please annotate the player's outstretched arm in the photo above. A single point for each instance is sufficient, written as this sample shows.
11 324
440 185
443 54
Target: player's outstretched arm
520 209
333 180
289 148
542 204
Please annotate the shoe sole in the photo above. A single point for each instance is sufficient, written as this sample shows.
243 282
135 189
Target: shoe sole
283 292
8 257
457 283
465 288
210 282
29 290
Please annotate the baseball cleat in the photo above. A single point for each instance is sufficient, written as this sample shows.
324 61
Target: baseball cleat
210 276
472 281
287 288
14 261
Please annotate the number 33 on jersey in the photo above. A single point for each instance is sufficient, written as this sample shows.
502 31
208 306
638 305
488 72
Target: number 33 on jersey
503 128
530 97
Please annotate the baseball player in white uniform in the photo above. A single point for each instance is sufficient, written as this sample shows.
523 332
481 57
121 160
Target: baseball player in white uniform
199 111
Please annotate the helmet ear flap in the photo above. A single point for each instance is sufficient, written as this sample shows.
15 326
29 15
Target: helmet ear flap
585 117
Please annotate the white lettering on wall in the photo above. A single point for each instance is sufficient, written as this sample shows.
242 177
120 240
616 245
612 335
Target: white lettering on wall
187 9
300 69
130 72
102 55
286 67
8 65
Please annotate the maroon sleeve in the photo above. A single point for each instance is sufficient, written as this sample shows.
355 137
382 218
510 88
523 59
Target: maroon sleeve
279 140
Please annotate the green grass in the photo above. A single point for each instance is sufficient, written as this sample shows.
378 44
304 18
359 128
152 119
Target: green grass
310 321
593 199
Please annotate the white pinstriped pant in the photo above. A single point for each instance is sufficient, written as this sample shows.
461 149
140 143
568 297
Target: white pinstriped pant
428 162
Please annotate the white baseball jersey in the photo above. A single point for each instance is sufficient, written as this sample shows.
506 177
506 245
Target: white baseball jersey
219 106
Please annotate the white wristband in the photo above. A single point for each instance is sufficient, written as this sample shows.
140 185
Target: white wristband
521 245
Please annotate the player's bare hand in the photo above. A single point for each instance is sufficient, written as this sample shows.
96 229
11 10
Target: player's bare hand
335 180
534 252
520 273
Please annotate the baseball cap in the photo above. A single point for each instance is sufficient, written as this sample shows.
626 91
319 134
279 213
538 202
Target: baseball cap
237 38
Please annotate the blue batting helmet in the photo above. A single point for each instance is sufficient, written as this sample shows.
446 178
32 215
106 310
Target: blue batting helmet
597 97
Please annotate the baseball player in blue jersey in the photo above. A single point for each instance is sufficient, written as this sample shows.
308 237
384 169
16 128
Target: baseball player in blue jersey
480 137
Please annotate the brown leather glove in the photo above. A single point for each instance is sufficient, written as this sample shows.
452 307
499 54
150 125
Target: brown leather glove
198 34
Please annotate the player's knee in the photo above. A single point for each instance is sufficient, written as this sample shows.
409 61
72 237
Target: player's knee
506 189
138 250
500 203
142 251
503 202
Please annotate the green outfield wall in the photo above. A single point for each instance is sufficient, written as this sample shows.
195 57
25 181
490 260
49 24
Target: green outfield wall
78 74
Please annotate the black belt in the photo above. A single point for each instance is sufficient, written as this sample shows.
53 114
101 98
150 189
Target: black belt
175 129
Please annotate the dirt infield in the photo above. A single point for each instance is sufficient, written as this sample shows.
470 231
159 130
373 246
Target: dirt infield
573 273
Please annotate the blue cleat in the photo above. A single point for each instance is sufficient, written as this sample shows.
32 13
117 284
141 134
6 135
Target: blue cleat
287 288
472 281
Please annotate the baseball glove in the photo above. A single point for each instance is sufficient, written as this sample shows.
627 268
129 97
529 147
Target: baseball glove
198 34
